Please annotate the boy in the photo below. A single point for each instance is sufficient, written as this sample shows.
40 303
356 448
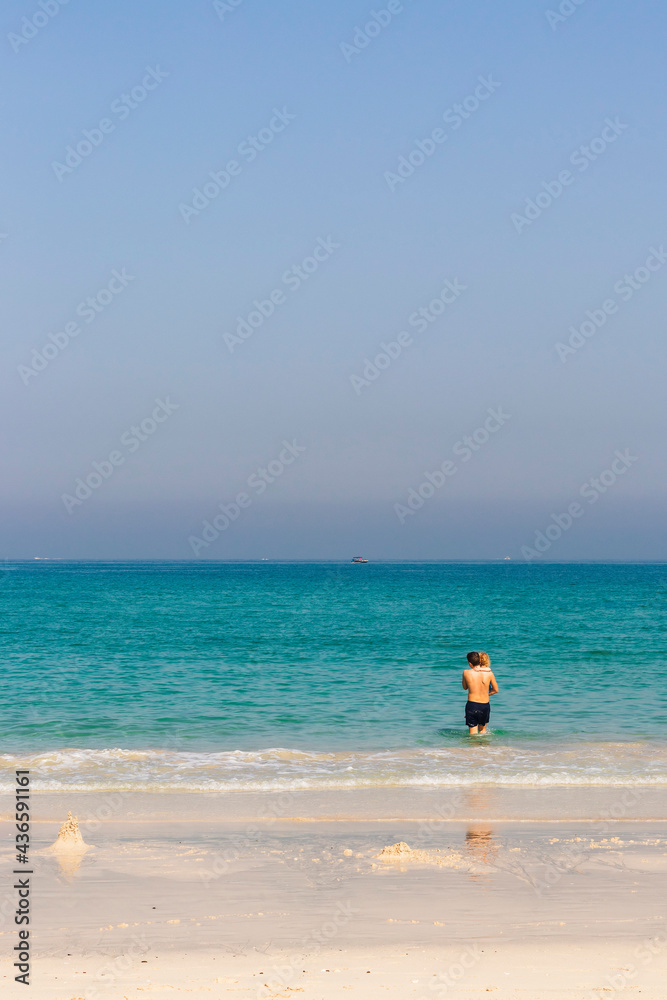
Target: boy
480 683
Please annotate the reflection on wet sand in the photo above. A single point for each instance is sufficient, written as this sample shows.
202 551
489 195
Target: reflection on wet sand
482 848
69 865
480 802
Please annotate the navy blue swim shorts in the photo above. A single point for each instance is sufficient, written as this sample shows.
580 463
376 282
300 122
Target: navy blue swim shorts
477 713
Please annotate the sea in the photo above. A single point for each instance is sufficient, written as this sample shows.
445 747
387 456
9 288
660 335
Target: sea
252 676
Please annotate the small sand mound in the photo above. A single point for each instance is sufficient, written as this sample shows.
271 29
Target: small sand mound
395 851
69 837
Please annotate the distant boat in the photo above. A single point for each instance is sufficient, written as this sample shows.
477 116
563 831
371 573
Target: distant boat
359 559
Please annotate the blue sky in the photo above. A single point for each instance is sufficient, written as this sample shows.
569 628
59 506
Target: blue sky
322 178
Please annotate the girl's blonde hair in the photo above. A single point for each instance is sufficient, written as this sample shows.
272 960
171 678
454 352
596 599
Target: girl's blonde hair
484 660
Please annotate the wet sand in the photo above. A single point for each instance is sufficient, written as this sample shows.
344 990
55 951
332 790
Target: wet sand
565 906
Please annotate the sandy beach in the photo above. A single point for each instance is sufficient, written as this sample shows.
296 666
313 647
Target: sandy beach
428 895
334 564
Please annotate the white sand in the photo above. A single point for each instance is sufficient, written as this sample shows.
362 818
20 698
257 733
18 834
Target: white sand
184 900
577 970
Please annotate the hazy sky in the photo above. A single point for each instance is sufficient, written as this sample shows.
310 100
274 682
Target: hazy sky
497 166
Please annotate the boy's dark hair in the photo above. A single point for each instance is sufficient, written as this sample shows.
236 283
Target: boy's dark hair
473 659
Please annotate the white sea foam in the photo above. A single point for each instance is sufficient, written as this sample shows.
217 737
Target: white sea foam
280 769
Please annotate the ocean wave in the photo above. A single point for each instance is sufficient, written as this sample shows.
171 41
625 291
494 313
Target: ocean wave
282 769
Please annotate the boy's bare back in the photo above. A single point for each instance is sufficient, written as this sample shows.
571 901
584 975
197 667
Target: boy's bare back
477 681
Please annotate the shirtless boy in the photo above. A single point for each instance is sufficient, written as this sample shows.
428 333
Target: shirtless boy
479 682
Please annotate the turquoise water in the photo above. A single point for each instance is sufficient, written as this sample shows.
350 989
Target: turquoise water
297 675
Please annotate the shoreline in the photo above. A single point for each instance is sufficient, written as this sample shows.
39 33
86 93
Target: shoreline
469 765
